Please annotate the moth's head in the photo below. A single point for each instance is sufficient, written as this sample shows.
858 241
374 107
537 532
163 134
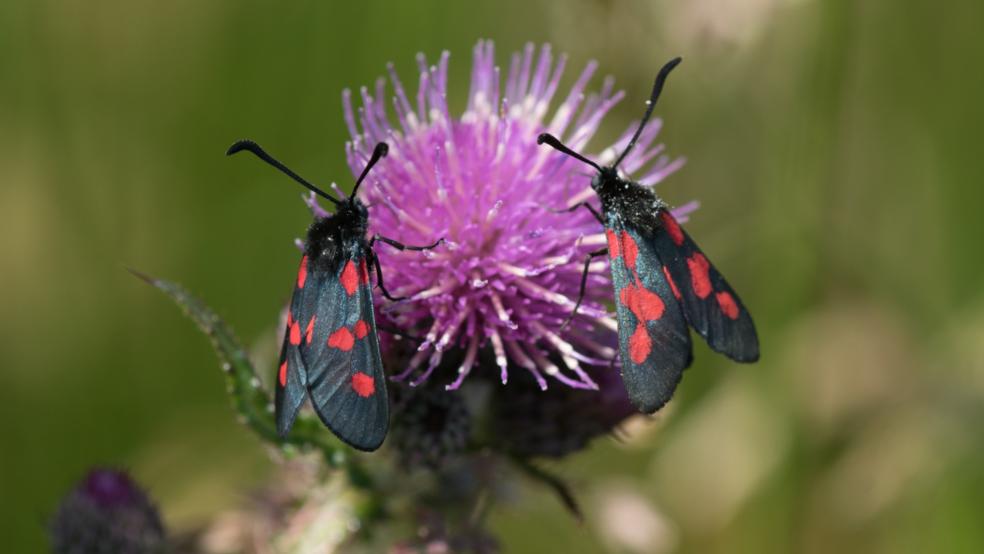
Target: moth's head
605 179
352 213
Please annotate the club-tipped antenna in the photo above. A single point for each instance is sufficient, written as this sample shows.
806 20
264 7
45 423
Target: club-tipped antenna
657 88
378 153
555 143
260 153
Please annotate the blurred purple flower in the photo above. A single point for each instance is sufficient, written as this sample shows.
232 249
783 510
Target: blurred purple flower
510 272
107 512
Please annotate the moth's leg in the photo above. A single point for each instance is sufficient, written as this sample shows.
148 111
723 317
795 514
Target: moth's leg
584 283
590 208
379 277
400 246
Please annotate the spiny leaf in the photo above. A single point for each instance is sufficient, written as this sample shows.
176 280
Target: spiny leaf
249 397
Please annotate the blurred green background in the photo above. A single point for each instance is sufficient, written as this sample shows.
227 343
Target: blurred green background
835 146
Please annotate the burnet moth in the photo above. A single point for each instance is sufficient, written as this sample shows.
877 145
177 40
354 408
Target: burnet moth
662 281
330 352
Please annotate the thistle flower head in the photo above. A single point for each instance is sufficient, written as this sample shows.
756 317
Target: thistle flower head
510 271
107 512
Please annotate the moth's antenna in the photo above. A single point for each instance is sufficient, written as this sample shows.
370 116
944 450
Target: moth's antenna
378 153
557 145
657 88
260 153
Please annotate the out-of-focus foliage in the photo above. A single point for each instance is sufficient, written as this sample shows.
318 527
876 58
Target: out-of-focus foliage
834 145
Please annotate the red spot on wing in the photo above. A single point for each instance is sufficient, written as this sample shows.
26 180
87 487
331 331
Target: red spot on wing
363 385
282 376
613 249
302 273
699 278
644 304
672 227
669 279
363 272
650 305
295 333
640 345
310 329
630 250
349 278
290 319
727 304
361 329
341 339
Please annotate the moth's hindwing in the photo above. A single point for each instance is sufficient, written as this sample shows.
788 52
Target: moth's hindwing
653 336
711 306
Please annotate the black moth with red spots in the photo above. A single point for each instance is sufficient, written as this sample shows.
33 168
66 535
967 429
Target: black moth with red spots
662 282
330 352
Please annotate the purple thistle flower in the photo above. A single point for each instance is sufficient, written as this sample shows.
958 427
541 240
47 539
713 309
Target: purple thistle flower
509 274
107 512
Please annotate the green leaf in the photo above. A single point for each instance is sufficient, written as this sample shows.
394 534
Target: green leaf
249 398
